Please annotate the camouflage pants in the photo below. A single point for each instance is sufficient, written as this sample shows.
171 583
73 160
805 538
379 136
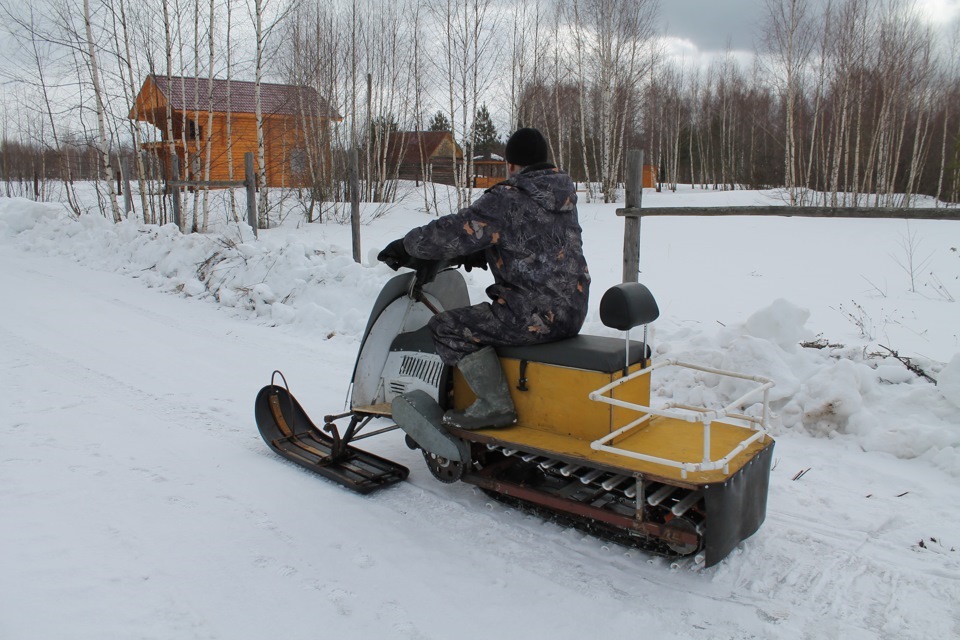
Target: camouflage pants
460 332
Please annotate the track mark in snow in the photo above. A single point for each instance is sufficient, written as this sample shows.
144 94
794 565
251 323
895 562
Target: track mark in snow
854 579
364 561
149 473
82 468
340 598
152 315
271 563
795 570
773 617
399 620
174 411
180 501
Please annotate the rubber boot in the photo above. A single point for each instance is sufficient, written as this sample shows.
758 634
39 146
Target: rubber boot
421 419
493 406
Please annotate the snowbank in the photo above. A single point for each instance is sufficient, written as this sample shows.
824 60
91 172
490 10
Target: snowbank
278 280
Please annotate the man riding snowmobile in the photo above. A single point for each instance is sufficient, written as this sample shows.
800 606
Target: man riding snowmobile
525 229
585 445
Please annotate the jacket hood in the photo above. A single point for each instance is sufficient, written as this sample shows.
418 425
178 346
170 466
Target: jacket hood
551 188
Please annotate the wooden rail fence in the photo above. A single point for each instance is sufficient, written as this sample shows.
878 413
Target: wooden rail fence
250 182
632 214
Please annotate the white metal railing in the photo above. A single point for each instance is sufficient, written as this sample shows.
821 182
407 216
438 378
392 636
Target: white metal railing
687 413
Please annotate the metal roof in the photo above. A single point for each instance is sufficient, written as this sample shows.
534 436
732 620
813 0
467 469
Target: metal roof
190 94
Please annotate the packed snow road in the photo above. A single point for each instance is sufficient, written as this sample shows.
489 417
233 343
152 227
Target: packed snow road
138 501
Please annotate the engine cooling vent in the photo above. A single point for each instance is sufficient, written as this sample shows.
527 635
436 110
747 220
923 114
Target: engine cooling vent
396 388
425 368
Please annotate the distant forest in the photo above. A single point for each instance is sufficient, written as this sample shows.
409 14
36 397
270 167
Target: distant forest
841 103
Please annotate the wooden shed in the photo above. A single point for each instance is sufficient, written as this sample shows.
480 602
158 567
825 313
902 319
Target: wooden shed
293 118
649 176
424 155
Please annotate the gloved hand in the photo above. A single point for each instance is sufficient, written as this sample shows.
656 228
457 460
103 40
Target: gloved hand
476 260
395 255
427 270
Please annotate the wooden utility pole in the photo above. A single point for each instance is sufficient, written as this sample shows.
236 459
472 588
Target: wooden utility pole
631 214
369 166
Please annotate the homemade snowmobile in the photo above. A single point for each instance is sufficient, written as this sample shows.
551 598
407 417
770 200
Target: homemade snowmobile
587 448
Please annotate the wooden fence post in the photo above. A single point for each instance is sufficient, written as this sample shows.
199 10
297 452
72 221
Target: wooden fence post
175 192
355 202
631 214
251 184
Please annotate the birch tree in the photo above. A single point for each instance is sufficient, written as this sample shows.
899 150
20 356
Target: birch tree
208 129
788 43
124 49
466 30
614 49
39 53
265 17
845 57
229 108
103 140
950 80
168 45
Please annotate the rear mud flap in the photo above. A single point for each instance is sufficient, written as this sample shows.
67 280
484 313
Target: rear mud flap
736 508
289 432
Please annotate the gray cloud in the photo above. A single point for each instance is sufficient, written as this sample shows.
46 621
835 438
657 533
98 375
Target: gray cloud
713 24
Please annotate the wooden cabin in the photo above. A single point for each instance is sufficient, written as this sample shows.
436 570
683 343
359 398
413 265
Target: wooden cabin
295 125
488 171
424 155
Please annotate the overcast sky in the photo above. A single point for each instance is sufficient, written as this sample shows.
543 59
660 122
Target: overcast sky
711 24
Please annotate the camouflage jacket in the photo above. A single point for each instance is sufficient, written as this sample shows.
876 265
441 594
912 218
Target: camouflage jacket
528 229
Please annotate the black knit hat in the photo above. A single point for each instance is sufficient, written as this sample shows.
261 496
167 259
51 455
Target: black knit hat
526 147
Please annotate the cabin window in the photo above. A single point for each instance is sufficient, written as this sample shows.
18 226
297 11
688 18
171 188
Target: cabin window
298 161
194 130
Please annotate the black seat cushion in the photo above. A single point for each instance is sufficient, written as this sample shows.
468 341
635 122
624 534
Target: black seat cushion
593 353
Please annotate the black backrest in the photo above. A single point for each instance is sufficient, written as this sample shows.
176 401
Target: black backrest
628 305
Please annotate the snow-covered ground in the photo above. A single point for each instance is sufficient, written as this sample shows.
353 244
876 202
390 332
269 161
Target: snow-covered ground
138 501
